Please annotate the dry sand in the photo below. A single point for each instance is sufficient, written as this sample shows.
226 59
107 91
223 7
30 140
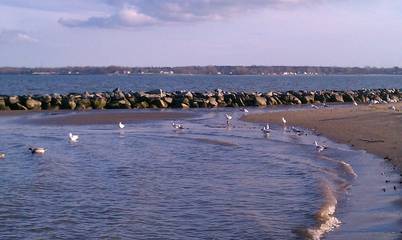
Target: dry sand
376 129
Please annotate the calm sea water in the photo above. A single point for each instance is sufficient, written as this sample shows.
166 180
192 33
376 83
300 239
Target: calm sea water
34 84
207 181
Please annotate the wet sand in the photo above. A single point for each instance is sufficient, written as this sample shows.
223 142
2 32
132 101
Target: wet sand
376 129
61 118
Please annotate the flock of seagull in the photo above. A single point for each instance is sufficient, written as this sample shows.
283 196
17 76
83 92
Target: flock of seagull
266 130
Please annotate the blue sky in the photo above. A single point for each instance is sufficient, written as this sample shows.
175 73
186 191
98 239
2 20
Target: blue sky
200 32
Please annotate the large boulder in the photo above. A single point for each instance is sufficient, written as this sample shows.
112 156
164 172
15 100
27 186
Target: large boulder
68 103
3 105
159 103
33 104
98 103
212 102
260 101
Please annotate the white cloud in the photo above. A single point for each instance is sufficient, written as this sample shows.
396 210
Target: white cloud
16 36
139 13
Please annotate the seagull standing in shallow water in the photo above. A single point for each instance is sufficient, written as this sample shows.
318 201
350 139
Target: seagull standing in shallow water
266 129
177 125
121 125
319 147
228 118
38 150
73 138
245 110
284 121
314 106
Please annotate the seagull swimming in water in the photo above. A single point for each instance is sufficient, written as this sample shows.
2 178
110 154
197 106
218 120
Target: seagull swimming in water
319 147
266 129
73 138
177 125
38 150
121 125
2 155
228 118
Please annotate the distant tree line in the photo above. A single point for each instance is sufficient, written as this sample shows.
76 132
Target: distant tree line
211 70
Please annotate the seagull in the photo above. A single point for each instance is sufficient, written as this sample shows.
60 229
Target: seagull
228 118
355 103
266 129
319 147
393 108
73 138
2 155
177 125
314 106
284 121
121 125
325 105
38 150
297 131
244 110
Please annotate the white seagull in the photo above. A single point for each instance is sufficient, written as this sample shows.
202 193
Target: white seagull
266 129
121 125
177 125
245 110
38 150
355 103
393 108
319 147
284 121
73 138
314 106
2 155
228 118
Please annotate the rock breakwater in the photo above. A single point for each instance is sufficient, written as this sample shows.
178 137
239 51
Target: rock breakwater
118 99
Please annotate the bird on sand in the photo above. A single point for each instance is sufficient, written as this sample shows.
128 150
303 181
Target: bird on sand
319 147
355 103
121 125
393 108
244 110
37 150
73 138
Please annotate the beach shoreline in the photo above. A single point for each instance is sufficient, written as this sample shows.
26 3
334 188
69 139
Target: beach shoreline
374 128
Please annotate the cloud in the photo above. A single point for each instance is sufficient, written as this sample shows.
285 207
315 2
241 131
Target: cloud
125 17
16 36
140 13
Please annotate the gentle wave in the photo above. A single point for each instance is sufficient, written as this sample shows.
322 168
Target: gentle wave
325 217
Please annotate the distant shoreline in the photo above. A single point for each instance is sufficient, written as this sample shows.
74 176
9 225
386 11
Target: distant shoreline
204 70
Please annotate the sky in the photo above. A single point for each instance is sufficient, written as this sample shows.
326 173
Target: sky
52 33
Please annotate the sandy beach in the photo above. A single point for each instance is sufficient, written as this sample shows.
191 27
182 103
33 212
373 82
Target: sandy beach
376 129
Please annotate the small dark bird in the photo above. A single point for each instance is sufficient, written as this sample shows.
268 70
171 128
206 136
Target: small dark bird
384 190
387 181
394 188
